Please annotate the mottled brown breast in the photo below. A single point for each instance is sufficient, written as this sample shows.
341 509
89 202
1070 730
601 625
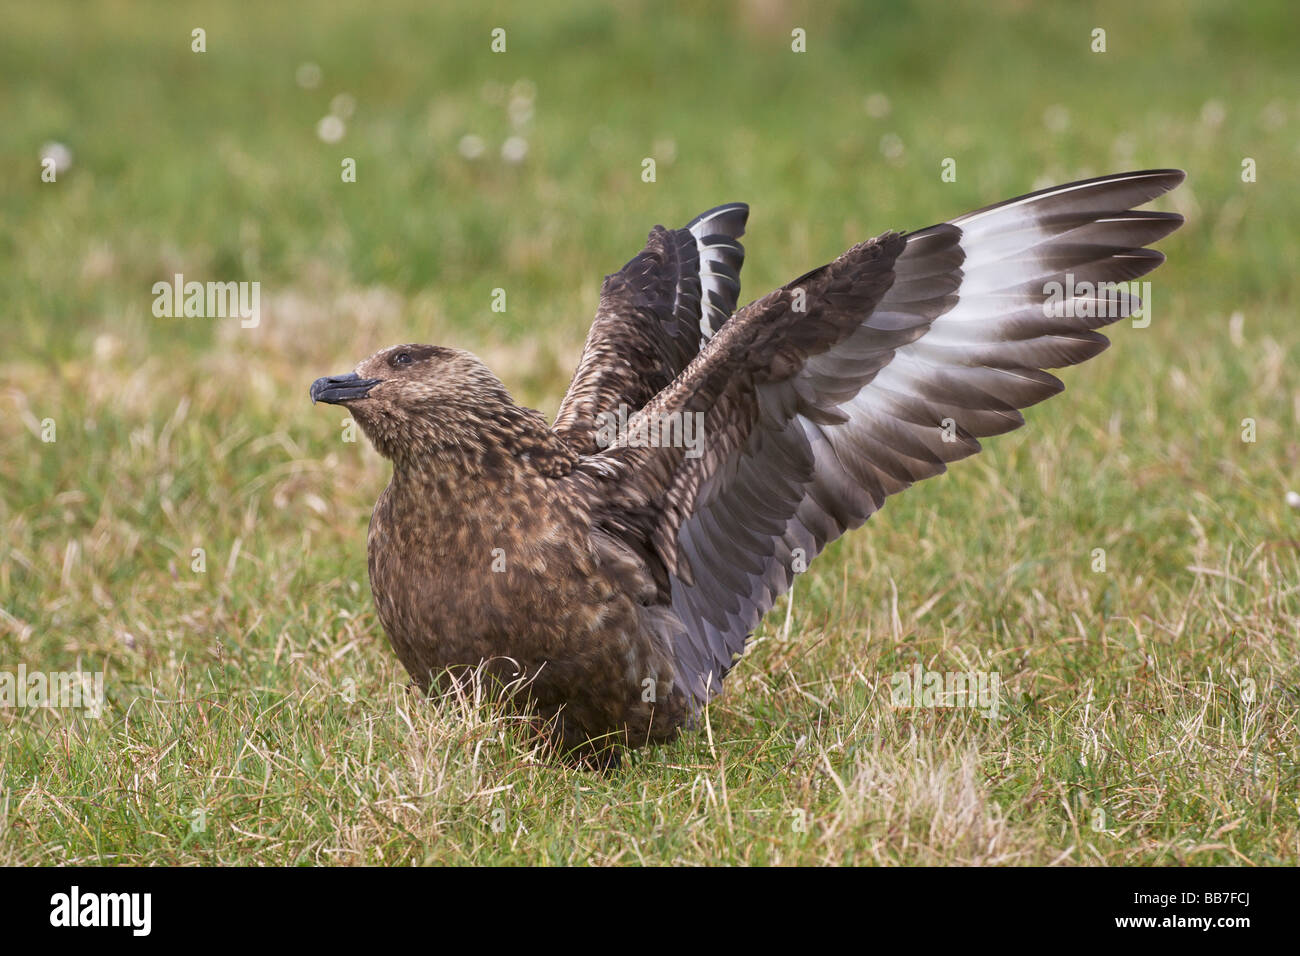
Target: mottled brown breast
512 573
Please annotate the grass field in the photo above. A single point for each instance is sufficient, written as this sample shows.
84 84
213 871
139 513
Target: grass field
255 713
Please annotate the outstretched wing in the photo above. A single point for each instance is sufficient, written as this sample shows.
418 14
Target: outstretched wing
653 315
803 442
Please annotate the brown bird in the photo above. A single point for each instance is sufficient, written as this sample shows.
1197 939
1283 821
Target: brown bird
617 561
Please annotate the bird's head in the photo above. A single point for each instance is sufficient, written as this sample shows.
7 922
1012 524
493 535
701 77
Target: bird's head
417 398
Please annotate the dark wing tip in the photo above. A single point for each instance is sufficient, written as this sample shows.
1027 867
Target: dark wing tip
1099 194
729 220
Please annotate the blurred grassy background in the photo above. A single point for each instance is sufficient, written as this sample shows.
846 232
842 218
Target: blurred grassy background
174 434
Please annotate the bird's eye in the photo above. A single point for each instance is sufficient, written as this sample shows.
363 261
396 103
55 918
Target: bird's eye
402 358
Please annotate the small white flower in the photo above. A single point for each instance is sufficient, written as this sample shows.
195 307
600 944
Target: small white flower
877 105
514 149
330 129
471 146
59 154
343 106
1293 499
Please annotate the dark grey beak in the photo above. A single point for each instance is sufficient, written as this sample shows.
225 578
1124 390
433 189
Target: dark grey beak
337 389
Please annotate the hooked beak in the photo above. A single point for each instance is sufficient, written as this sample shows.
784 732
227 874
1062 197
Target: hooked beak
337 389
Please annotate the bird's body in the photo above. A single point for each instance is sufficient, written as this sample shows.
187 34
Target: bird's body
618 578
507 565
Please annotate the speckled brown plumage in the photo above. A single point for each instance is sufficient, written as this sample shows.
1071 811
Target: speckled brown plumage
620 583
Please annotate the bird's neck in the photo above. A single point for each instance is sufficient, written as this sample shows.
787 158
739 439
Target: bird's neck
482 460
